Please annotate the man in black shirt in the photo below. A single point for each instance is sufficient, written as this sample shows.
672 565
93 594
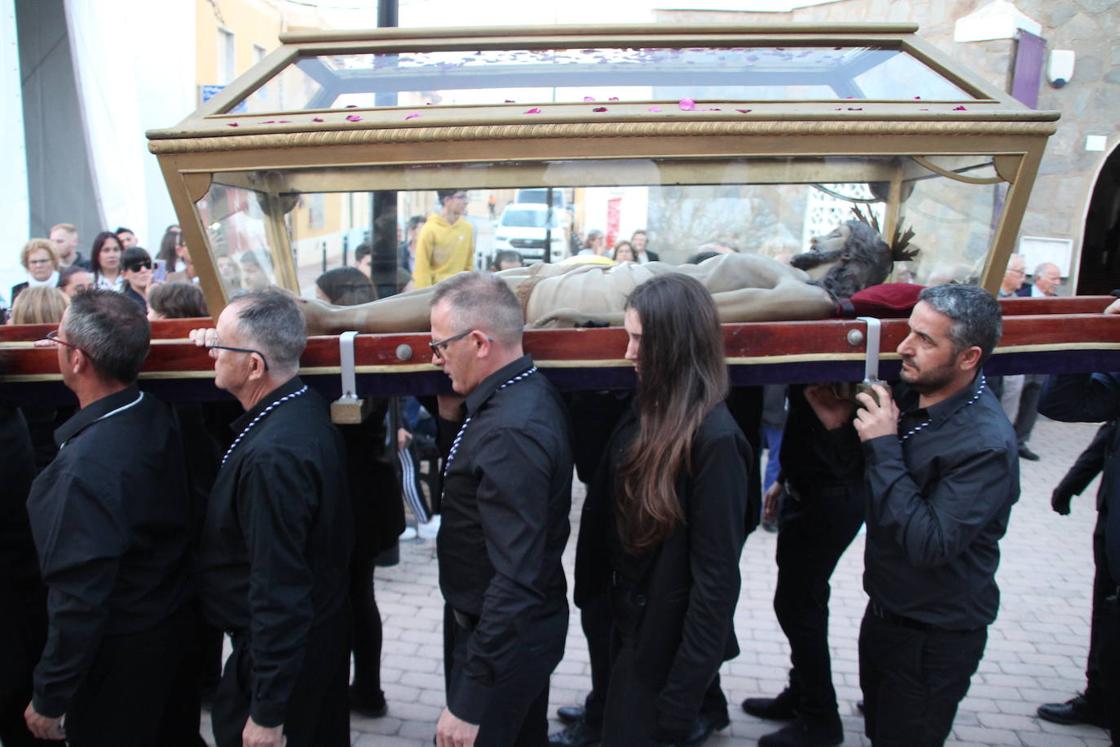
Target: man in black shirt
277 538
507 492
942 472
113 522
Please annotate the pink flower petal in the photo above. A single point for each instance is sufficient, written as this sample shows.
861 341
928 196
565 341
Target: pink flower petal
687 105
855 108
351 106
599 109
917 98
613 98
316 119
959 109
232 124
534 110
412 115
744 111
588 98
924 109
510 101
655 108
269 121
353 118
713 109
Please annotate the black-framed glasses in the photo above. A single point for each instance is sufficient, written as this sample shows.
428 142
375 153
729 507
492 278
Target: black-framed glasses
438 346
247 351
52 337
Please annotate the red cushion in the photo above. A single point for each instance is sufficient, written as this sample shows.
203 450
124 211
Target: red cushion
886 301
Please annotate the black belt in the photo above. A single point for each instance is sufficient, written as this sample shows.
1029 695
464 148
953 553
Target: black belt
888 616
465 621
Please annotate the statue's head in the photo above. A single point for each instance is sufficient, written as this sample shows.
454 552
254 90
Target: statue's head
849 258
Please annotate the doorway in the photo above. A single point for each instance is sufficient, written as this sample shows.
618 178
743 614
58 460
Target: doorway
1099 270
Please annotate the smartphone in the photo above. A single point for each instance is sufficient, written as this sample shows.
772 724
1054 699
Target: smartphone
159 271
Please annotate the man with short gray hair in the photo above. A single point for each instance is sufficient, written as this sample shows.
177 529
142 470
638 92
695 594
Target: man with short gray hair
277 538
112 522
942 473
507 492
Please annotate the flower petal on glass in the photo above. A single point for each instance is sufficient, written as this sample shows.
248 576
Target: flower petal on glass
917 98
959 109
613 98
687 105
232 124
744 111
534 110
855 108
316 119
588 99
412 115
655 108
353 118
599 109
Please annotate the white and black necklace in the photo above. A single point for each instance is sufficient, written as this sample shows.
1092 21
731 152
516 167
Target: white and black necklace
979 390
463 428
259 417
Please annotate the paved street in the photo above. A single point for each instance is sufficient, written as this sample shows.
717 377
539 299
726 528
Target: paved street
1036 649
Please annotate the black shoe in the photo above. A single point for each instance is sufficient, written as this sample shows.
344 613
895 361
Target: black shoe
1077 710
704 727
1026 453
370 706
859 706
571 714
802 733
781 708
576 734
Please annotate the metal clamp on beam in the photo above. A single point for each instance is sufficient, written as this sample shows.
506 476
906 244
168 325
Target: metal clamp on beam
871 361
348 409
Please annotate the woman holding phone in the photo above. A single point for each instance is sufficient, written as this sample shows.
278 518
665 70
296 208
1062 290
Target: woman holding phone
669 508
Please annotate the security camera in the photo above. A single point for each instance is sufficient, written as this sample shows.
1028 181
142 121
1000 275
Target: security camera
1060 70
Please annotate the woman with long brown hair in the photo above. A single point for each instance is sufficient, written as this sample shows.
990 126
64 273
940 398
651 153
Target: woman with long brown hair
674 494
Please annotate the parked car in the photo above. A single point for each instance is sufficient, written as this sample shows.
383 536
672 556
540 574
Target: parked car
527 229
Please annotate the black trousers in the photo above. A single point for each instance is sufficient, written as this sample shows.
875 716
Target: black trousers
1100 670
367 634
23 630
517 711
318 713
595 619
913 680
142 689
814 533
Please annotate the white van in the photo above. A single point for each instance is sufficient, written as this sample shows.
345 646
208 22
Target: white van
524 227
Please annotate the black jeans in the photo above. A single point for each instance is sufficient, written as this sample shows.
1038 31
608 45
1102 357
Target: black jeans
1100 670
913 679
318 713
814 533
517 711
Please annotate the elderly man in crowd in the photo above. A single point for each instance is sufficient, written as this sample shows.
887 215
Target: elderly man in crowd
112 524
507 492
277 538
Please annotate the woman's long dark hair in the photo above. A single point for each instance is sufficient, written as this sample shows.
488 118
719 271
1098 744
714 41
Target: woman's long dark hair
682 376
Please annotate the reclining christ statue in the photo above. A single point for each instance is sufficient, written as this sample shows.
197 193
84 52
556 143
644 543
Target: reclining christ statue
746 288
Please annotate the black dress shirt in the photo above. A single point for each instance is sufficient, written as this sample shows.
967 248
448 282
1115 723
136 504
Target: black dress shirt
939 504
815 459
506 498
277 538
112 522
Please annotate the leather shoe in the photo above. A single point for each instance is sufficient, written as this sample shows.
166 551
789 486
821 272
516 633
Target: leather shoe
1076 710
803 733
1026 453
571 714
576 734
781 708
704 726
370 706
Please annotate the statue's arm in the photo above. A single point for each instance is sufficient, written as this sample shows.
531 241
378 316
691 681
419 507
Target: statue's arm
788 300
809 260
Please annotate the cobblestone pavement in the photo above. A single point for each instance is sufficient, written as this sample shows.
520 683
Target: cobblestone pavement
1036 648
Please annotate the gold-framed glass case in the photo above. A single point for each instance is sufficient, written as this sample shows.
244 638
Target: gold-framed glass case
705 138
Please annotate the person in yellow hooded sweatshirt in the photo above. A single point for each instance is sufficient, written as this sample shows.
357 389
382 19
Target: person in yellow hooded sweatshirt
446 242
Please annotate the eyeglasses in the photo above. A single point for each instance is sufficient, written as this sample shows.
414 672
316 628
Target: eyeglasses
52 337
247 351
438 346
138 266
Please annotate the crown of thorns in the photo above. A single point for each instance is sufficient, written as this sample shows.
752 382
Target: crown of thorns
898 243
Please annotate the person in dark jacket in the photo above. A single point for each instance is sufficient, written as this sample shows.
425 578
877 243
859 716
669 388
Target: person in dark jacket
1090 707
1092 398
276 543
668 514
113 525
